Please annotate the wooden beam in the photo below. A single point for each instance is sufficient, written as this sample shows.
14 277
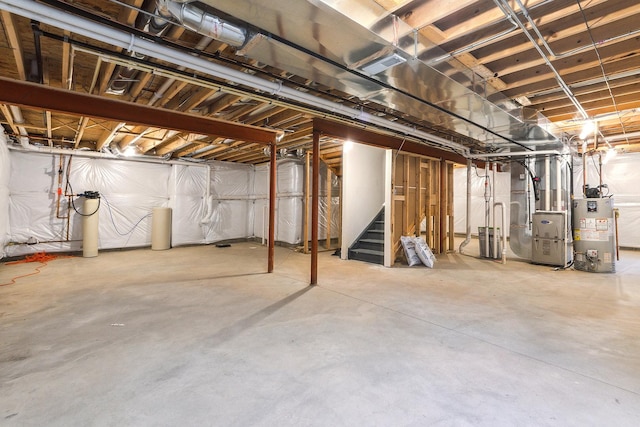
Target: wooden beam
370 137
80 132
64 101
108 134
14 42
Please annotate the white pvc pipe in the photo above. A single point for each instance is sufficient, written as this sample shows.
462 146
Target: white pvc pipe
57 18
559 206
468 218
514 154
547 183
494 171
487 197
504 234
101 155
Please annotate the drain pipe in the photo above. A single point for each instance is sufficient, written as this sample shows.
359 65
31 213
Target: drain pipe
494 174
93 30
468 236
487 198
547 183
504 234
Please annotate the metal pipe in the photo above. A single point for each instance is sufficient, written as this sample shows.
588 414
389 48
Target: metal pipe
559 206
584 169
468 217
487 198
547 183
87 28
506 8
202 22
504 234
494 170
315 207
273 166
514 154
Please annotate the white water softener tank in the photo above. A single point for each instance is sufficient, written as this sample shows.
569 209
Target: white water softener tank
594 235
90 225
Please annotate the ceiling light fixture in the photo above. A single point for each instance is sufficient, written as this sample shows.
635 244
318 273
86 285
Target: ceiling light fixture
587 129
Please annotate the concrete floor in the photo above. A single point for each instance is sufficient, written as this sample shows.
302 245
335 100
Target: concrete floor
202 336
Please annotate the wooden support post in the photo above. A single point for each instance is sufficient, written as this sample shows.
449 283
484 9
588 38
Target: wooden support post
416 210
315 207
450 206
307 191
443 205
272 207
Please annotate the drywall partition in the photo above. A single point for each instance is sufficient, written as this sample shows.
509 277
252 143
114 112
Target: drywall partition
502 187
621 174
363 189
4 193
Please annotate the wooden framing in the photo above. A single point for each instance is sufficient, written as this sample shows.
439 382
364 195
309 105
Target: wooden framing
422 191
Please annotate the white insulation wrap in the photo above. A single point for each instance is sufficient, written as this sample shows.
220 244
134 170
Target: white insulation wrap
503 187
209 202
191 208
161 229
621 174
4 193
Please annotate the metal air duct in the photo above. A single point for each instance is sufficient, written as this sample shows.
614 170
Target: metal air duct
203 22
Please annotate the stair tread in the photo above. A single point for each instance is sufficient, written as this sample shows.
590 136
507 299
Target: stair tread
376 231
367 251
380 241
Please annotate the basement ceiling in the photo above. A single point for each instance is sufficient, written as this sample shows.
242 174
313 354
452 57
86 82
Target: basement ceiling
468 76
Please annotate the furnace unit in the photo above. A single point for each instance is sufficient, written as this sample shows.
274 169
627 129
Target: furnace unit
551 245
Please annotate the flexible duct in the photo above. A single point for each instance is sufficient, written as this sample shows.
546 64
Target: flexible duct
203 22
87 28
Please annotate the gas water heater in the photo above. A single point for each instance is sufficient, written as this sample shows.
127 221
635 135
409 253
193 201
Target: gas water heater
594 235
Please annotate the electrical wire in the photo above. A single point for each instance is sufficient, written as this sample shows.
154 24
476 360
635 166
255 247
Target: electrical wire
114 223
41 257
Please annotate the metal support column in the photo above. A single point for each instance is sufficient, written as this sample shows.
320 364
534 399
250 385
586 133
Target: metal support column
272 207
315 189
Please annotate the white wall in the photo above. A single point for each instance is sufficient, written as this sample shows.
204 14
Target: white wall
363 190
503 187
210 202
622 175
4 192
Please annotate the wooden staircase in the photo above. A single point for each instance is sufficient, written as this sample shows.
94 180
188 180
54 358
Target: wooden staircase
369 246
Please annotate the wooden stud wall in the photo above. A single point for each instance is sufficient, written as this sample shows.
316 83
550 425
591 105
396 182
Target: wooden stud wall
422 190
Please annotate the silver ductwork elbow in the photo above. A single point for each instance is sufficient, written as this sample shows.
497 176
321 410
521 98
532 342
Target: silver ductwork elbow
203 22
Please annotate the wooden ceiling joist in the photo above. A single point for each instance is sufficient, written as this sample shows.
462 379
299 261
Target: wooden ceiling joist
64 101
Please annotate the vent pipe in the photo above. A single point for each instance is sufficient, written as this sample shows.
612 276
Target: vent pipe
203 22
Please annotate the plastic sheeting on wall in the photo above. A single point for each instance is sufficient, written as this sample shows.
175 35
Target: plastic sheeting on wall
503 185
191 207
5 177
621 174
210 202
